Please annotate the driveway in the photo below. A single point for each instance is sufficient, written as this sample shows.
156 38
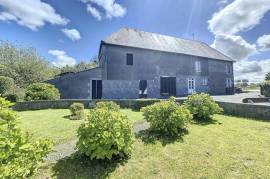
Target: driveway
237 98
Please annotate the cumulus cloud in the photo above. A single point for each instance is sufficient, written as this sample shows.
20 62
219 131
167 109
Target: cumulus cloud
30 13
238 16
94 12
73 34
62 59
234 46
254 70
110 7
264 42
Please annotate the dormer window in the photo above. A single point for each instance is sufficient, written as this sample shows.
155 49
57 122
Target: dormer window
198 66
130 59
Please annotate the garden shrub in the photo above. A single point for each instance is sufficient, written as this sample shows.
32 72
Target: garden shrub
265 88
41 91
167 117
77 111
105 133
202 106
6 85
19 156
109 105
12 97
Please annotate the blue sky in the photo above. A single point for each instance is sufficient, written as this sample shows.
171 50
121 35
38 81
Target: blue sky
41 24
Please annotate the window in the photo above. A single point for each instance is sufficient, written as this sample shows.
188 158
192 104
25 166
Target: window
198 66
129 59
228 69
205 81
229 83
143 89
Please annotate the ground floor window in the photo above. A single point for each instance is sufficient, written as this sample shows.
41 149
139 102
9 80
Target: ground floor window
229 83
168 86
143 89
205 81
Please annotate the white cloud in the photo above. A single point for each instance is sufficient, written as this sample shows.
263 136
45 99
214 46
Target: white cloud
112 9
264 42
95 13
238 16
73 34
30 13
254 71
234 46
62 59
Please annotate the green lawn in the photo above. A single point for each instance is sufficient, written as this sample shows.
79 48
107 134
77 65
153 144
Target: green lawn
55 125
229 147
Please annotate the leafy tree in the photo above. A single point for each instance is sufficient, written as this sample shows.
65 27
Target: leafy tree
78 67
6 85
267 77
24 65
19 155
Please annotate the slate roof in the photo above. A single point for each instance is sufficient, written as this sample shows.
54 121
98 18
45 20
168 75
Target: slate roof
146 40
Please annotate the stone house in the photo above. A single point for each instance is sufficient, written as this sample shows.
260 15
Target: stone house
136 64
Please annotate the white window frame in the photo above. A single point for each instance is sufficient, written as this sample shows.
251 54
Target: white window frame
229 83
205 82
198 66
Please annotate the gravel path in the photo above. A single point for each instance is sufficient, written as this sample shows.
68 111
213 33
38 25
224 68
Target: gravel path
63 150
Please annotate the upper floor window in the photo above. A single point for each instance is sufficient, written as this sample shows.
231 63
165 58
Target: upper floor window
129 59
228 68
198 66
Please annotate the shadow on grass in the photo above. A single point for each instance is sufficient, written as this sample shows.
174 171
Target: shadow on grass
80 166
150 137
205 122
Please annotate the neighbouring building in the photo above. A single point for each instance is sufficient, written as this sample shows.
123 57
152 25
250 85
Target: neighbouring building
136 64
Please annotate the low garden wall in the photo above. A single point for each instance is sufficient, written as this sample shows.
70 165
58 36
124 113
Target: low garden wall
237 109
256 100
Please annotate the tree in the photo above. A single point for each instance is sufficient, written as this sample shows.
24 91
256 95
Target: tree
25 64
78 67
267 77
6 85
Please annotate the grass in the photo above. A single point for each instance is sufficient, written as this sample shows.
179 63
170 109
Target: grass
229 147
55 125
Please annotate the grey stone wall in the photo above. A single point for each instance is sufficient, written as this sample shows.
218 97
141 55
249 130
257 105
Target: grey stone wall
76 85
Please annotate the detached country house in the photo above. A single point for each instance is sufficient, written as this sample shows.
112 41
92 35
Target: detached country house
136 64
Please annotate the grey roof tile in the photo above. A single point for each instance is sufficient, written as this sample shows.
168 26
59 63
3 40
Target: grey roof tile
140 39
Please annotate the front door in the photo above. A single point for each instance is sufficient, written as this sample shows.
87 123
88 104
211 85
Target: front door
191 85
168 86
96 89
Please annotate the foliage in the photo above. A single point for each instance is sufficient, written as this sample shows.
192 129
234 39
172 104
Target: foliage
167 117
24 65
78 67
6 85
109 105
77 111
105 134
267 77
265 88
18 156
202 106
41 91
12 97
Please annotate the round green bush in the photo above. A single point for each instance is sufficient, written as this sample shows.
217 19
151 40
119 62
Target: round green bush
6 85
202 106
109 105
77 111
41 91
167 117
19 154
105 134
265 88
